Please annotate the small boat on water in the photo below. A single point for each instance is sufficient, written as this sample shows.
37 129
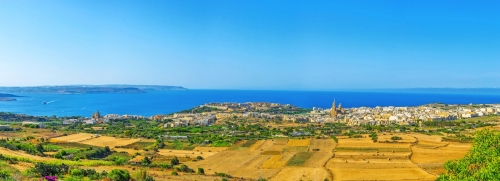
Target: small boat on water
44 102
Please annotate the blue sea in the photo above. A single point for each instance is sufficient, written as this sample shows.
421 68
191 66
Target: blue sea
165 102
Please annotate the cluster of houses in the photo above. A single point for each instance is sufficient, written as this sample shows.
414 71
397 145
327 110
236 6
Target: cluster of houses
403 115
350 116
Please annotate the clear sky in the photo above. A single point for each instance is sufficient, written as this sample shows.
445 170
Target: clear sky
251 44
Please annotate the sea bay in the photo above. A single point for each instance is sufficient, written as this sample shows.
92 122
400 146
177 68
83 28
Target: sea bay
165 102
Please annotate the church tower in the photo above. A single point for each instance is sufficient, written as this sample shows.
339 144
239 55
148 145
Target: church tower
333 111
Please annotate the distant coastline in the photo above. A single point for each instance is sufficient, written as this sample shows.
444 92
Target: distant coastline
90 89
7 97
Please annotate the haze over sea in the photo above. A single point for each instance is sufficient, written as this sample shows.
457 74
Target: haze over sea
165 102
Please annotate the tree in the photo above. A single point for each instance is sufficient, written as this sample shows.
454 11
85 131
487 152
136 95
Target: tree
201 171
480 163
174 161
119 175
39 148
146 161
141 175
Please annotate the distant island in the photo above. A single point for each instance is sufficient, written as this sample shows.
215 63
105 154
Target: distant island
7 97
90 89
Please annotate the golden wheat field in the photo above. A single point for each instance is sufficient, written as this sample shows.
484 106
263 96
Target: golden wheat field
73 138
405 138
294 142
278 161
103 141
185 153
322 145
376 169
302 173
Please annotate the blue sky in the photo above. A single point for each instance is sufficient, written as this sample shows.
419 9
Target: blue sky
255 44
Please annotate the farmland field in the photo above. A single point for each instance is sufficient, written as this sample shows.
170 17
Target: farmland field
73 138
103 141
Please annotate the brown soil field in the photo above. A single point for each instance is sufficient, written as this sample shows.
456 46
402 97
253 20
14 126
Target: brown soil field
256 145
103 141
428 138
440 155
22 166
368 143
265 146
280 141
251 169
295 148
324 145
210 149
301 173
224 161
318 159
37 133
294 142
185 153
22 154
377 169
405 138
276 147
277 161
73 138
372 155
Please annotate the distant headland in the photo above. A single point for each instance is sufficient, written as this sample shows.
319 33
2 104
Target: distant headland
7 97
90 89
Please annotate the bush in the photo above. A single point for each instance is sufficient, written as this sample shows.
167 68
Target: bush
119 175
396 138
4 174
174 161
174 173
76 172
201 171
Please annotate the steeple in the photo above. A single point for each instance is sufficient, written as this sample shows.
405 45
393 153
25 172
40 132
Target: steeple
333 111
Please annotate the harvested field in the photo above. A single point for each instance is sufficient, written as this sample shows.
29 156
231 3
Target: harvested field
256 145
280 141
440 155
22 154
405 138
210 149
277 147
376 169
372 155
324 145
294 142
265 146
301 173
185 153
295 148
271 153
361 143
236 146
73 138
224 161
318 159
248 143
251 169
428 138
103 141
299 159
277 161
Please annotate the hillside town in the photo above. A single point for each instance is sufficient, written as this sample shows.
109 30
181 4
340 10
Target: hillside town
210 113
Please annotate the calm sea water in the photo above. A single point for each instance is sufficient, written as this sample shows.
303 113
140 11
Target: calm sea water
172 101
